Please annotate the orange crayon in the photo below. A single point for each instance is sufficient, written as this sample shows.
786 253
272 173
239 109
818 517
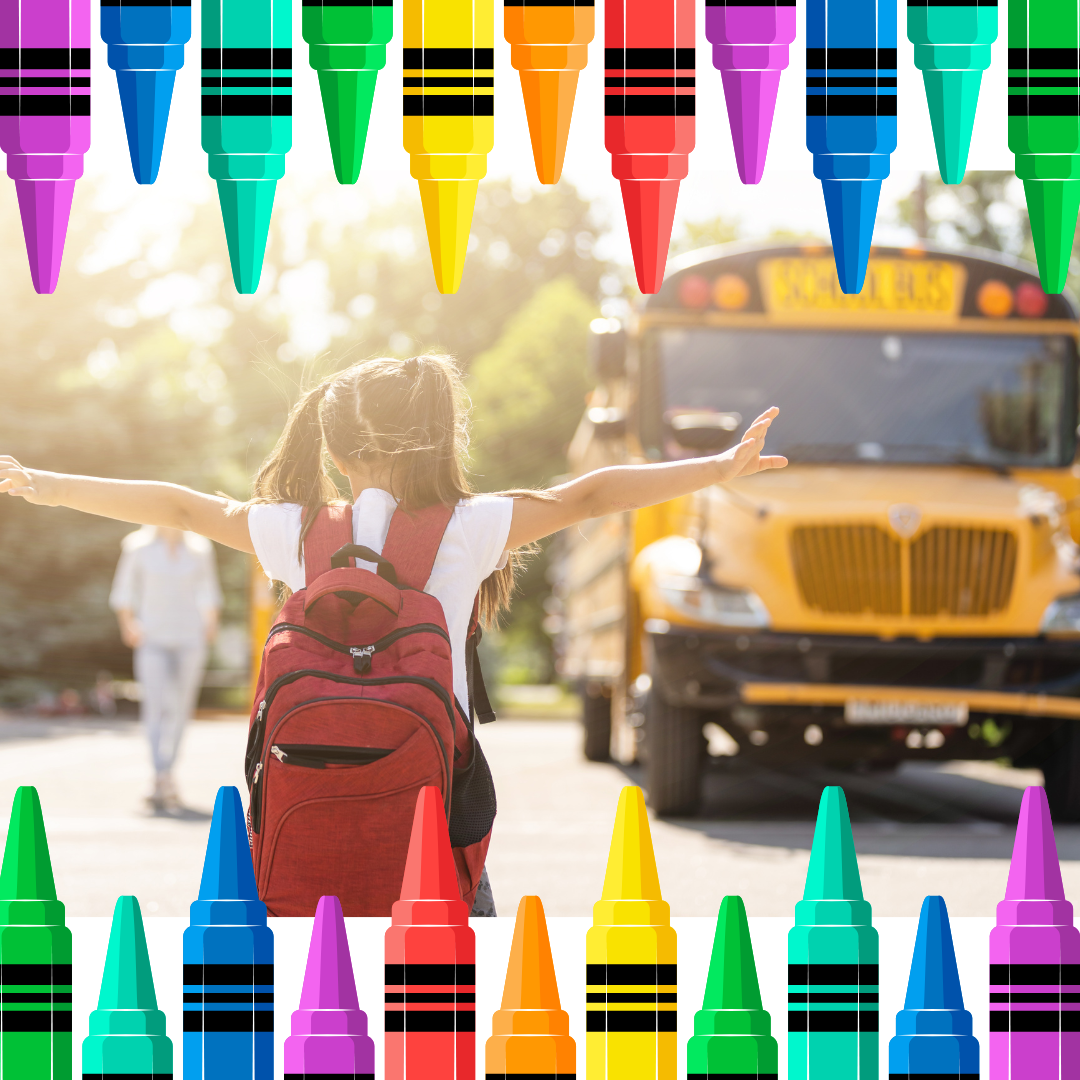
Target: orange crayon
549 45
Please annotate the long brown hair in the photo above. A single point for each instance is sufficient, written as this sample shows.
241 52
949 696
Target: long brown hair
406 417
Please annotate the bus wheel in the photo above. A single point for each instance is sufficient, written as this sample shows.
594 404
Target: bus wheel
1061 773
673 742
596 720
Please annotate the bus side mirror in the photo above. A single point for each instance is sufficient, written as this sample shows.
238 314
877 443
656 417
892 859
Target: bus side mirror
707 431
607 423
607 349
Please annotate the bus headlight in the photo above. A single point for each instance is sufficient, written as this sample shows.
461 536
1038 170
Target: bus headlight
1062 616
706 602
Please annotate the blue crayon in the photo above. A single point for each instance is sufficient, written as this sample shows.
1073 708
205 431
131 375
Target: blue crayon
851 119
228 960
146 49
933 1030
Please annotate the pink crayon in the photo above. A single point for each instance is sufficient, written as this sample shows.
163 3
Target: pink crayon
750 49
329 1031
1034 960
45 119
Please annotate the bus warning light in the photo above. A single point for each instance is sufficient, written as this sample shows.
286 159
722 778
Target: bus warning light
994 299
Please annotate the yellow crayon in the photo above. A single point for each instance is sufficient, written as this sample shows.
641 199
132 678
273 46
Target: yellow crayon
630 957
449 121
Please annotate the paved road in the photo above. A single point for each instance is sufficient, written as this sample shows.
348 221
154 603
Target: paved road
924 830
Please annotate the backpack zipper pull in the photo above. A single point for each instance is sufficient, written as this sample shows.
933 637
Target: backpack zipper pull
361 659
278 753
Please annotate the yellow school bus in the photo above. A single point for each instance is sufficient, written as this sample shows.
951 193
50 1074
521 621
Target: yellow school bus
907 588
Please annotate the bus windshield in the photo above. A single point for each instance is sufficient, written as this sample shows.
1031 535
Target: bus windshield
917 398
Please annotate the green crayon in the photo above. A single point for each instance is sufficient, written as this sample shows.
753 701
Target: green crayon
952 50
35 954
732 1032
246 119
127 1030
1044 126
832 960
347 47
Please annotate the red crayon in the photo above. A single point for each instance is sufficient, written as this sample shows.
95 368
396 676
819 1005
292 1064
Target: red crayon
649 119
430 960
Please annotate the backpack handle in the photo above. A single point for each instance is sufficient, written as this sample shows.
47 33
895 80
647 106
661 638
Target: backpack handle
346 581
340 559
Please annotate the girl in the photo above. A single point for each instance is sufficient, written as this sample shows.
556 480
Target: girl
397 430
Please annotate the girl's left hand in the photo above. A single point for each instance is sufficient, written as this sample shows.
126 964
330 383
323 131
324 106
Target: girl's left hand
746 458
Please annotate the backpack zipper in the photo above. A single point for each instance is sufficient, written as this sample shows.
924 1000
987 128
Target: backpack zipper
362 655
318 757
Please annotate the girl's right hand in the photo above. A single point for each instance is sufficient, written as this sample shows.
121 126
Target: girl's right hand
27 483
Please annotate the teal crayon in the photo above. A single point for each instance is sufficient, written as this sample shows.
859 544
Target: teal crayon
35 954
832 960
246 120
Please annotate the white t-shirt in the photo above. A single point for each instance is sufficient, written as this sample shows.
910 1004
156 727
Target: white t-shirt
473 547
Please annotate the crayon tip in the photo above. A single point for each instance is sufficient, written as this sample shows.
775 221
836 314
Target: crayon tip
45 207
246 208
631 868
751 102
448 210
934 982
549 106
1052 210
1035 873
127 981
146 97
530 972
732 981
347 97
833 873
852 207
228 873
952 97
650 213
27 869
328 977
430 873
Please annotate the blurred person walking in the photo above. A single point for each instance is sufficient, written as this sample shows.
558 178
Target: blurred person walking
167 600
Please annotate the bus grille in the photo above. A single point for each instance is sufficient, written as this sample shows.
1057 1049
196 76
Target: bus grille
954 572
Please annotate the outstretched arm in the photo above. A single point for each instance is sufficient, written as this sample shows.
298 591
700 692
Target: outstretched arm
631 487
138 501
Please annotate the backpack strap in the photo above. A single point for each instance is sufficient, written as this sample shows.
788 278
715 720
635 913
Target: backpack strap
412 542
331 530
479 702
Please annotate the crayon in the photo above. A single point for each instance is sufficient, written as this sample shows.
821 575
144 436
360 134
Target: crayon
851 119
45 119
347 47
952 49
35 953
530 1034
630 961
750 49
933 1030
649 119
228 960
448 122
430 954
146 49
1034 960
246 120
549 45
329 1031
832 960
732 1032
1044 128
127 1030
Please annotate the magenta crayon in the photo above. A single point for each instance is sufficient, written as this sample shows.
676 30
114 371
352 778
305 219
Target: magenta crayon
750 49
45 119
1034 960
329 1031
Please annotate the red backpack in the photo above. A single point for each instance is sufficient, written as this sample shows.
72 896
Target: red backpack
354 713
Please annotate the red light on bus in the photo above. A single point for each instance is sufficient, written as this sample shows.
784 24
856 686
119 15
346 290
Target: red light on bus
994 299
694 291
1031 301
731 292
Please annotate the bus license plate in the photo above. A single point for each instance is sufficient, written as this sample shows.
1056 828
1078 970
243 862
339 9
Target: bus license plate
906 712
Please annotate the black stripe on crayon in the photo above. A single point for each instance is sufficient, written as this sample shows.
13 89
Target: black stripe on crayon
1035 999
833 974
624 1021
649 105
448 105
35 975
246 59
407 1020
448 60
229 999
17 81
428 83
247 105
1044 104
1034 974
851 105
431 974
1026 81
45 105
38 1020
631 974
9 998
217 82
146 3
337 1076
631 999
549 3
533 1076
618 81
1067 60
933 1076
348 3
738 1076
951 3
833 1020
28 59
750 3
833 82
652 59
832 999
218 1020
413 998
127 1076
1034 1020
228 974
860 59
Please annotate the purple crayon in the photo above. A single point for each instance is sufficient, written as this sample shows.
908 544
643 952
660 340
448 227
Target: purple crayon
1034 960
45 119
329 1031
750 48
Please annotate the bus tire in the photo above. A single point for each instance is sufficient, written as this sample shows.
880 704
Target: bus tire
1061 773
596 720
673 740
